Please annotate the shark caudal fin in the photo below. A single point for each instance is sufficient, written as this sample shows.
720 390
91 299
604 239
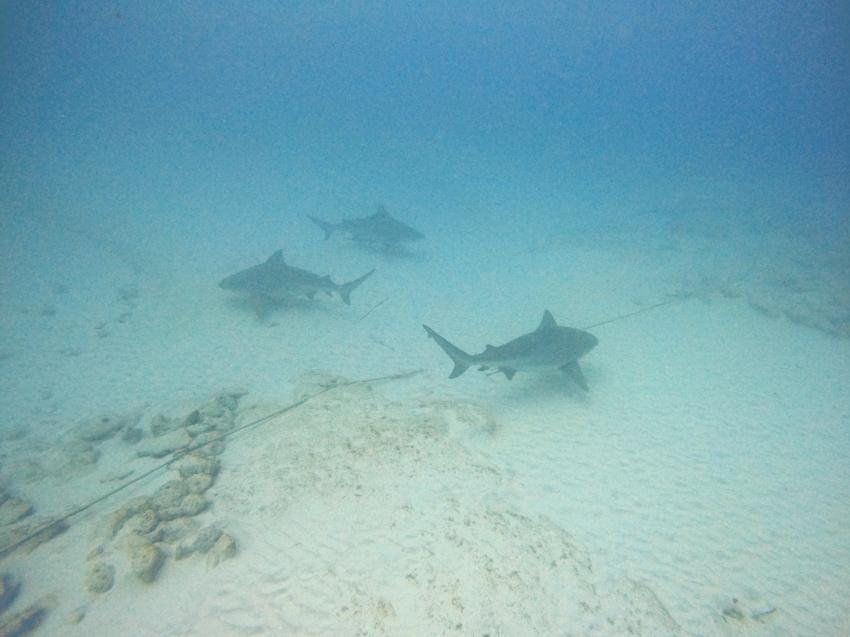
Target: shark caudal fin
461 359
346 289
324 225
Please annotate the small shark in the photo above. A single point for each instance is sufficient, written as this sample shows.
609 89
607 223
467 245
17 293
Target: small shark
274 280
550 346
379 229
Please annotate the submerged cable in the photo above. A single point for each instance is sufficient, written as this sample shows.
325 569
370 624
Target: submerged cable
373 308
667 301
177 455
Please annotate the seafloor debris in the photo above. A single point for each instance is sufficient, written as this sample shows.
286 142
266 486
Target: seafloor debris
13 509
21 622
9 588
100 577
779 270
106 426
30 534
140 535
146 559
739 611
16 525
164 444
223 549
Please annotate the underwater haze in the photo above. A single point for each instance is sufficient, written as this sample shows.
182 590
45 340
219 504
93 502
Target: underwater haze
625 227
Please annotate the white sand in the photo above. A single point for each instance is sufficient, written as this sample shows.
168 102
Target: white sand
710 461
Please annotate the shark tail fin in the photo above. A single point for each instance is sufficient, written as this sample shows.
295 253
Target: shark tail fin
461 359
324 225
346 289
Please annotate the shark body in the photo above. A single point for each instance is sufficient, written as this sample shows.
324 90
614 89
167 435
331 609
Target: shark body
377 230
550 346
275 280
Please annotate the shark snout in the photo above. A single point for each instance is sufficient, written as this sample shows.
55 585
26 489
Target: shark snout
228 283
588 341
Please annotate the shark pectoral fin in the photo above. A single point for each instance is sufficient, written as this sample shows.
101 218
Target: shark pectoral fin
459 369
328 228
574 371
508 372
346 289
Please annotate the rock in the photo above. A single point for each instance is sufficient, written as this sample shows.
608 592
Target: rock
129 293
196 463
116 521
161 425
173 500
16 432
31 535
229 401
14 509
164 444
131 435
22 622
198 429
212 410
79 454
191 505
30 470
223 549
174 530
100 577
100 428
8 590
202 542
145 561
206 444
206 539
143 522
183 550
96 552
77 615
220 424
169 494
199 483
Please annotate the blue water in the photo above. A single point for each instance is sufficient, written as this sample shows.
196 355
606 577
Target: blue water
117 108
142 143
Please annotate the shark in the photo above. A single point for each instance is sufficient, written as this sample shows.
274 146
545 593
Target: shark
275 280
380 229
550 346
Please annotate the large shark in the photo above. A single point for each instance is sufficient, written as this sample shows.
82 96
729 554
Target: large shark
550 346
378 230
274 280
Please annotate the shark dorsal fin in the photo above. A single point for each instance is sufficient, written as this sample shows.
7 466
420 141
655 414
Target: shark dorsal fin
382 212
277 257
548 321
489 348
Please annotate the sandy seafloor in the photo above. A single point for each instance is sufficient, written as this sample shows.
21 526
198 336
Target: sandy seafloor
710 461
